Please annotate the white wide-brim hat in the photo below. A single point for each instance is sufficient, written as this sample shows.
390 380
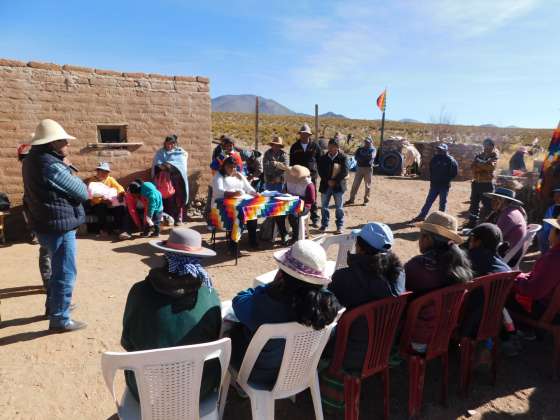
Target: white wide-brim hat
48 131
306 261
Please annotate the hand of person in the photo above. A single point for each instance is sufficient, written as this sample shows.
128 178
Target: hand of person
149 221
331 183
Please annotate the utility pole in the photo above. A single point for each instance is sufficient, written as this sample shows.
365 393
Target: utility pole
316 122
257 123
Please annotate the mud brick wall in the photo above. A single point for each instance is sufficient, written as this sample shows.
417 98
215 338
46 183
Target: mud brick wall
463 154
151 105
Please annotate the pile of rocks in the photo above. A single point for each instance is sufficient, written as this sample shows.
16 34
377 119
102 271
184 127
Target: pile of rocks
463 153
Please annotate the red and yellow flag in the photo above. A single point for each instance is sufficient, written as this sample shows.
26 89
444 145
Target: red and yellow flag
382 101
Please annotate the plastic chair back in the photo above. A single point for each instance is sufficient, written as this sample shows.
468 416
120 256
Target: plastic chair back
302 351
301 226
496 289
522 245
345 244
168 379
383 317
447 305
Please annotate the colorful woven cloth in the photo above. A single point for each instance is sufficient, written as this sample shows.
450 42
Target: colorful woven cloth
231 214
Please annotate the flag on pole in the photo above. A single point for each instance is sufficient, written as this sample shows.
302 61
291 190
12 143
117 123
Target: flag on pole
382 101
553 156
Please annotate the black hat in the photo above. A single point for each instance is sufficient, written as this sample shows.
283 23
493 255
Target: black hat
334 142
489 234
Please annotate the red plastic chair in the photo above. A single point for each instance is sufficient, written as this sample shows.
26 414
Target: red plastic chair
383 317
545 322
447 304
496 289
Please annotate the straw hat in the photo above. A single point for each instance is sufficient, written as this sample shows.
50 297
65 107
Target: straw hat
277 140
306 261
184 241
441 224
504 193
298 172
553 222
305 129
48 131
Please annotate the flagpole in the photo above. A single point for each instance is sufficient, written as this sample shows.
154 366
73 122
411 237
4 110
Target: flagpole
382 130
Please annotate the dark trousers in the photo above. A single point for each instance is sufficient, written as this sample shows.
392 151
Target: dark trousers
102 211
314 208
252 231
435 190
478 189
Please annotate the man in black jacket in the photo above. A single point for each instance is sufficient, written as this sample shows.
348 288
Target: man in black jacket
443 168
333 171
306 152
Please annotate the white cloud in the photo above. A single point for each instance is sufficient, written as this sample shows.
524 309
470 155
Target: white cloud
475 17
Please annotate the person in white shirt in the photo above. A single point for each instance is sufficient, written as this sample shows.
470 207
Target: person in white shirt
229 183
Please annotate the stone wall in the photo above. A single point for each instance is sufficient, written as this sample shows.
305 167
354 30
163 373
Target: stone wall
151 106
463 153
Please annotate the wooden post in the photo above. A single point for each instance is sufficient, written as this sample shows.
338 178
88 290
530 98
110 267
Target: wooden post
316 122
382 130
257 123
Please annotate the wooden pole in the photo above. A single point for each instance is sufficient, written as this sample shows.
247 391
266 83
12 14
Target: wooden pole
316 122
382 130
257 123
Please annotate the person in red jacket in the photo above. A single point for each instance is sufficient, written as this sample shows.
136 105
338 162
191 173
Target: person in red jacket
533 291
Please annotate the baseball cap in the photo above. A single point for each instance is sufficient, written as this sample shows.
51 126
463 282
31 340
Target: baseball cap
442 146
377 235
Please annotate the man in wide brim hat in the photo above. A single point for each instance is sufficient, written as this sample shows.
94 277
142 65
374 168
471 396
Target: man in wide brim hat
54 198
504 193
277 141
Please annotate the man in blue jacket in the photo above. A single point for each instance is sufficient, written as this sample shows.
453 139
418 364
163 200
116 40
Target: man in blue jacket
365 156
443 168
54 198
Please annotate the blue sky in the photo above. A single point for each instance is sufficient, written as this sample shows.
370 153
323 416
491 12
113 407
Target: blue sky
476 61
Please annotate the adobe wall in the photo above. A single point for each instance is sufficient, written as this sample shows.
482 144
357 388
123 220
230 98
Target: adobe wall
463 153
153 106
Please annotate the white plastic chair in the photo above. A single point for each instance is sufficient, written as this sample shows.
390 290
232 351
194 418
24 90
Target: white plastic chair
298 370
301 227
522 245
168 381
345 243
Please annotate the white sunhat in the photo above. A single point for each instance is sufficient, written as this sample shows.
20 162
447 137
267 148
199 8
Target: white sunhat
306 261
48 131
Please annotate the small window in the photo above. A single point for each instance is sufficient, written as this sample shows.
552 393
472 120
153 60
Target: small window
111 133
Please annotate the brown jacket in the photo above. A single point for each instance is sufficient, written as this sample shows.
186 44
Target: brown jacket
484 166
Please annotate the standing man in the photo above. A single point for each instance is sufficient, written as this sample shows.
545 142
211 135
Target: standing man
333 171
54 198
306 153
483 167
365 157
443 169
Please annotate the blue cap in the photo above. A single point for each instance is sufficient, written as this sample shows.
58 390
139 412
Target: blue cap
442 146
377 235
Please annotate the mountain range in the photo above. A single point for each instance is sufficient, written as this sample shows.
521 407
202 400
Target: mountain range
246 104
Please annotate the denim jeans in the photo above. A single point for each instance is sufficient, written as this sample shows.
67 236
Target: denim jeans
62 250
339 212
435 190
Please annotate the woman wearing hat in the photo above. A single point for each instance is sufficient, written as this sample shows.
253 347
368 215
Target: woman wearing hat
533 291
275 161
440 264
509 215
299 183
374 272
297 294
175 305
173 159
102 207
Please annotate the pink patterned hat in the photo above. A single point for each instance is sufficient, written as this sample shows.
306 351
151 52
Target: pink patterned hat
306 260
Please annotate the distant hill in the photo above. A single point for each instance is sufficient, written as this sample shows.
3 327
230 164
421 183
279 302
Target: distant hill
246 104
410 121
488 126
331 114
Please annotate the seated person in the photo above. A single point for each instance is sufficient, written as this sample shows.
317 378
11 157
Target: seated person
552 212
533 291
145 196
230 183
226 150
253 168
174 306
509 215
441 263
103 207
297 294
374 272
298 183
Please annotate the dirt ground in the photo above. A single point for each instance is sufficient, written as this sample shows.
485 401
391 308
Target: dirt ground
44 376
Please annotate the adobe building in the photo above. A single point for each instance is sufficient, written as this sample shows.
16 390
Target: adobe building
117 117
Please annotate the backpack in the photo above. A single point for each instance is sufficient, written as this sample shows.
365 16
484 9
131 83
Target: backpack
164 184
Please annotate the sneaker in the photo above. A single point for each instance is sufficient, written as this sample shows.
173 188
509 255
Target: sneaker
124 236
349 202
70 326
338 231
365 203
154 235
72 307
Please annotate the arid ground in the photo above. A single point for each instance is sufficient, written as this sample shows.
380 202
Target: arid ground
44 376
